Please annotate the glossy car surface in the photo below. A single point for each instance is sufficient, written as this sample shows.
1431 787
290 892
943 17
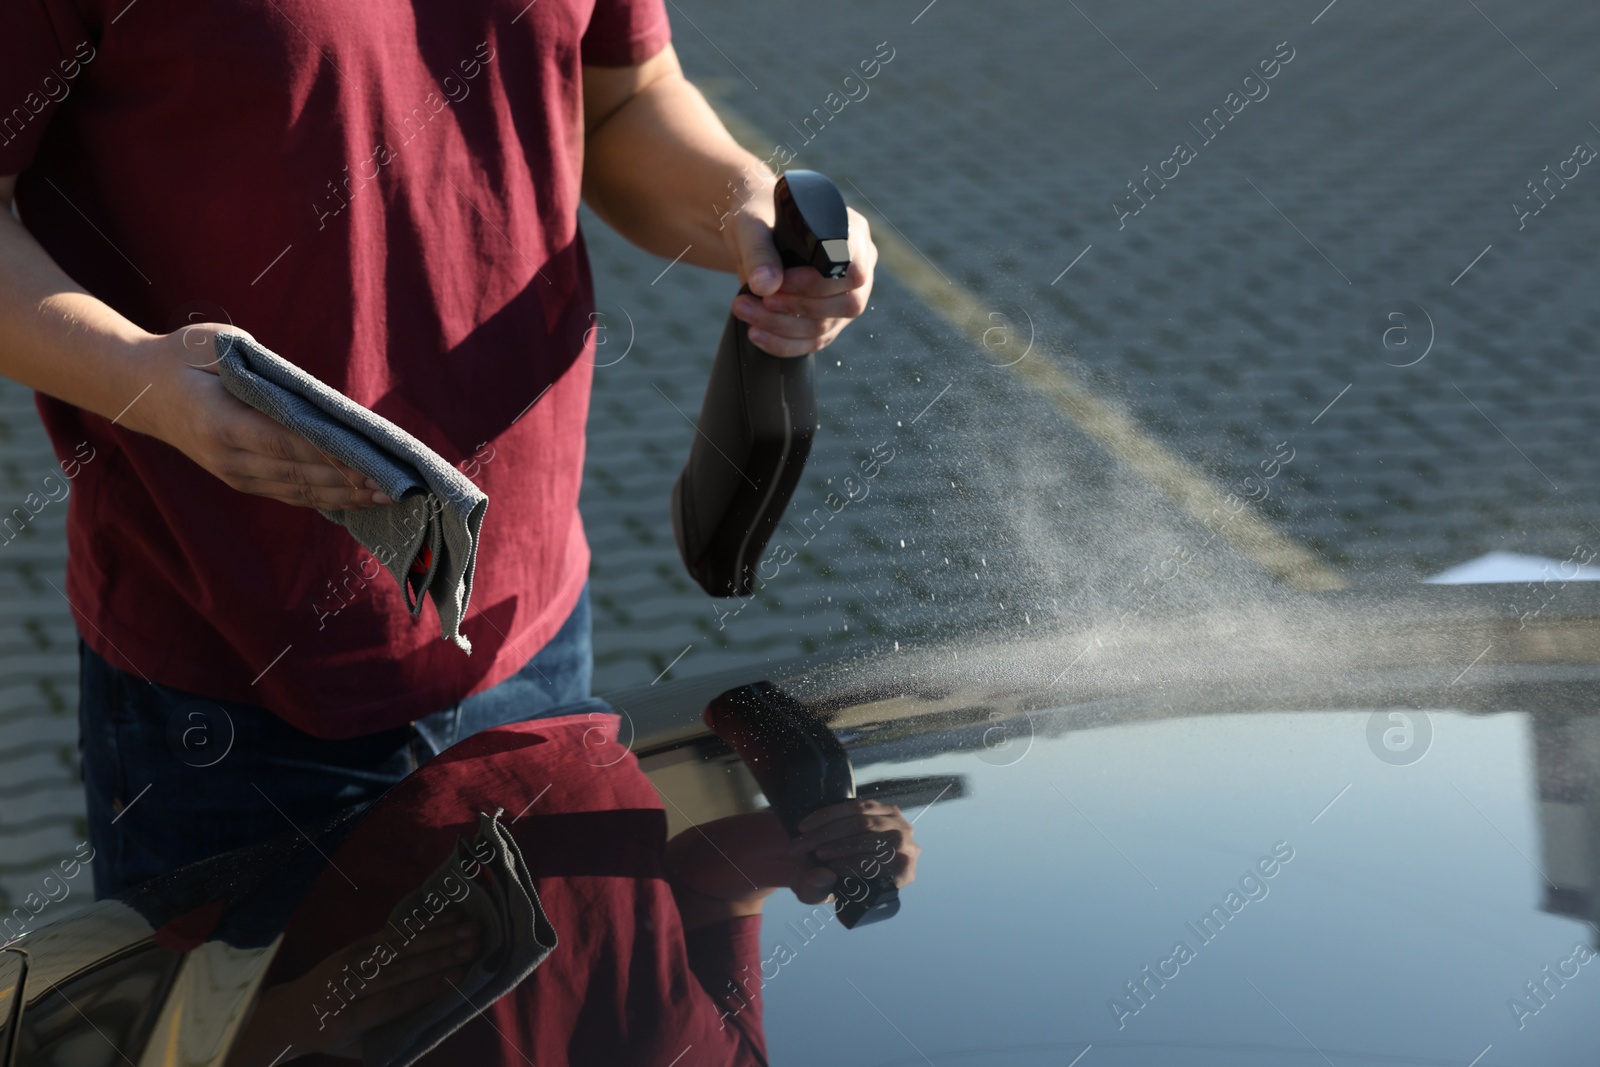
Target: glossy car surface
1332 830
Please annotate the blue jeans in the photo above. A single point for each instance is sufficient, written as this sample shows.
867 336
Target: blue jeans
173 778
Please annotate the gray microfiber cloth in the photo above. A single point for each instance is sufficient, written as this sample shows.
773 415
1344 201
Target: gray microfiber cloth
428 539
514 937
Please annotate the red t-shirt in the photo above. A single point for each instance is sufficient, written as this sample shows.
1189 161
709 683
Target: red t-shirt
624 985
385 193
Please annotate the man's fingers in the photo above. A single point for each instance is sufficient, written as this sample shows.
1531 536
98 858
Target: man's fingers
760 266
254 432
313 484
264 452
302 494
805 281
413 967
860 844
292 472
439 949
844 306
792 325
815 886
845 810
854 826
786 335
807 314
237 426
365 1013
902 868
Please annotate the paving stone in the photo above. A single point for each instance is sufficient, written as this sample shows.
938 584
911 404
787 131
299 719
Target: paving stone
1376 141
995 141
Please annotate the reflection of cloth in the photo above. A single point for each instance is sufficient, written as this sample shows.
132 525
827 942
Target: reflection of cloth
506 910
626 985
428 538
204 800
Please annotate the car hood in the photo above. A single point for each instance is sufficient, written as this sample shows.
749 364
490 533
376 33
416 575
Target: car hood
1344 830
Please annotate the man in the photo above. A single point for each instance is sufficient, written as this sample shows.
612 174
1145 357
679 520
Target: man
386 195
657 942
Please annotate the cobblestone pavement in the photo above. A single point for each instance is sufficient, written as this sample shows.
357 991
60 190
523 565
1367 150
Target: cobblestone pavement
1225 308
1237 309
41 808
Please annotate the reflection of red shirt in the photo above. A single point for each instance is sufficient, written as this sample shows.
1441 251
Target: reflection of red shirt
385 193
623 986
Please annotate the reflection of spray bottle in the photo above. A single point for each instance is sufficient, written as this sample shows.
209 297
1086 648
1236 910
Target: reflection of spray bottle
801 767
759 413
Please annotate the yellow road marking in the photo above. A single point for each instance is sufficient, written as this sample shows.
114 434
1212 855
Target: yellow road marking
1279 555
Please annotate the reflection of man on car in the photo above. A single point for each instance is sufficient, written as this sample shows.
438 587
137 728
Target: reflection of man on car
654 941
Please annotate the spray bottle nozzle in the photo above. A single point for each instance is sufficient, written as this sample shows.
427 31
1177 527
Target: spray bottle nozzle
813 227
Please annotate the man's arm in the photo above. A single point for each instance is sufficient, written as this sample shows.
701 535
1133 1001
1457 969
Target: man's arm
57 338
660 168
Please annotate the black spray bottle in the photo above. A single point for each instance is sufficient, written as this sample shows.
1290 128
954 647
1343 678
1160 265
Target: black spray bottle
759 413
801 767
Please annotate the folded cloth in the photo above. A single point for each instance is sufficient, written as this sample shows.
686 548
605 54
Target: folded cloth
514 937
428 539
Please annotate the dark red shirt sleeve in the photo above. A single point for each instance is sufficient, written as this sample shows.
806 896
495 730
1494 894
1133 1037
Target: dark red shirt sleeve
622 33
43 48
725 958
